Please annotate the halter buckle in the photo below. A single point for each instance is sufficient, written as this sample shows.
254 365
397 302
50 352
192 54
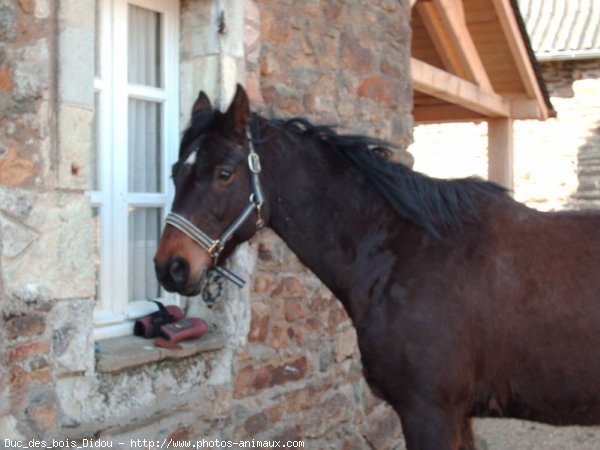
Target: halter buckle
254 162
215 248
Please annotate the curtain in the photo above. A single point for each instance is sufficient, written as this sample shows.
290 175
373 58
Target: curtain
144 151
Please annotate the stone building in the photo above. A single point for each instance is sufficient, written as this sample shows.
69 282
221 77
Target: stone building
93 97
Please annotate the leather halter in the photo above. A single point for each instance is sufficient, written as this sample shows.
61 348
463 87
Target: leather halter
214 247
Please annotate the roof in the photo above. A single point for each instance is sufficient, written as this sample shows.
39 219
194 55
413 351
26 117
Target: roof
563 29
472 60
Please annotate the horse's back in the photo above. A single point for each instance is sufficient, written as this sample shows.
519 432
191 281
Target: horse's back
543 328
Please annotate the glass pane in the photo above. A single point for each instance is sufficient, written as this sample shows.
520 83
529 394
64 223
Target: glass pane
98 31
96 230
144 232
144 57
144 146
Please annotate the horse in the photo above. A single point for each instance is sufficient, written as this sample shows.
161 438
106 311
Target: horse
465 302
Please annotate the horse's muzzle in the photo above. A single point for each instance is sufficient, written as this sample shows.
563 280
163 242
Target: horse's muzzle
174 276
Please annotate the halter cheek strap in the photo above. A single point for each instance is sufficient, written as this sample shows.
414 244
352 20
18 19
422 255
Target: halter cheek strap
214 247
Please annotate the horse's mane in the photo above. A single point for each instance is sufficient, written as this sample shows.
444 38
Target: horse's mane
434 204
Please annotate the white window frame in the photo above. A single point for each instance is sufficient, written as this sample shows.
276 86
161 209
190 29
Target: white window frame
114 314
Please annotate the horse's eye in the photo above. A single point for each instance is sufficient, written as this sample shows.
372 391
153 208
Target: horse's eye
224 174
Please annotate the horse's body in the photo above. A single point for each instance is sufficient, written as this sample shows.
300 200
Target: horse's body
467 304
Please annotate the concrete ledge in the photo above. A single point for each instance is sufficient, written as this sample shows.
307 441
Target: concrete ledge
130 351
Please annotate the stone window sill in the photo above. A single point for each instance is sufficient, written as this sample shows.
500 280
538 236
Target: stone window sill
131 351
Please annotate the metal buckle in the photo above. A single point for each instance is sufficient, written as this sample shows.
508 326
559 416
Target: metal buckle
215 248
254 162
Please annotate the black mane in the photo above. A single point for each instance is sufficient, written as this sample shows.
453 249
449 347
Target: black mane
435 204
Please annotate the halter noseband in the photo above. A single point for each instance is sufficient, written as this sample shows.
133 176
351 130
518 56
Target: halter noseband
214 247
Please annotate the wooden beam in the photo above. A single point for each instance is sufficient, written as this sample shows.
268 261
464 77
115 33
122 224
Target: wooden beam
441 39
500 152
524 107
452 16
443 85
520 54
445 113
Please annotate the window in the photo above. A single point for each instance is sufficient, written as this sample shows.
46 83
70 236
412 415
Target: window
137 133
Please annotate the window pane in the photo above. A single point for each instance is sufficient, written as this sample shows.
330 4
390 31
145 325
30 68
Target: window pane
144 57
97 34
96 231
145 158
144 232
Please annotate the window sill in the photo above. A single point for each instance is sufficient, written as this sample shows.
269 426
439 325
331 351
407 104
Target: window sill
131 351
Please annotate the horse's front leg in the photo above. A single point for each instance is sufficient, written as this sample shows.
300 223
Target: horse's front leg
427 427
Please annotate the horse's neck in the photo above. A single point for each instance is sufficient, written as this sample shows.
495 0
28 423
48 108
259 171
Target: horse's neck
332 218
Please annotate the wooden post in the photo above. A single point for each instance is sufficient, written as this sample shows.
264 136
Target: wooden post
500 152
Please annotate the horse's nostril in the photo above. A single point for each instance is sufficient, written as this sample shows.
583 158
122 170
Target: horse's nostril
179 270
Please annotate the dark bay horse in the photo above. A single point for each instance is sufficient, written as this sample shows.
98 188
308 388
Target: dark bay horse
465 302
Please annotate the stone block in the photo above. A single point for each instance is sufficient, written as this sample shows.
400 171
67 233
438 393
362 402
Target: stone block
289 288
76 62
31 71
354 56
42 9
346 345
8 22
259 322
58 262
72 341
25 351
9 428
16 170
78 399
5 80
74 14
232 40
200 73
16 238
75 142
334 410
199 30
43 420
294 309
26 325
21 380
379 89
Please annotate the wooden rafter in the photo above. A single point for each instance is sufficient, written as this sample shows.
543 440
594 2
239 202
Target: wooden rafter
441 39
438 83
517 47
447 27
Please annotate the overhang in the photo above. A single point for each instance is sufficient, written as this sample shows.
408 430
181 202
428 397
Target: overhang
471 61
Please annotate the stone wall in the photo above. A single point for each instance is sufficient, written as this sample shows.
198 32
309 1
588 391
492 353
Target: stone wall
44 217
288 366
299 375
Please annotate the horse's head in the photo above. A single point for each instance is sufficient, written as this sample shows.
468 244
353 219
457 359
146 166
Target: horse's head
216 203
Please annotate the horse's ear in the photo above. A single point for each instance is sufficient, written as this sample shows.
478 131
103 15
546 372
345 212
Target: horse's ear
238 113
202 103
